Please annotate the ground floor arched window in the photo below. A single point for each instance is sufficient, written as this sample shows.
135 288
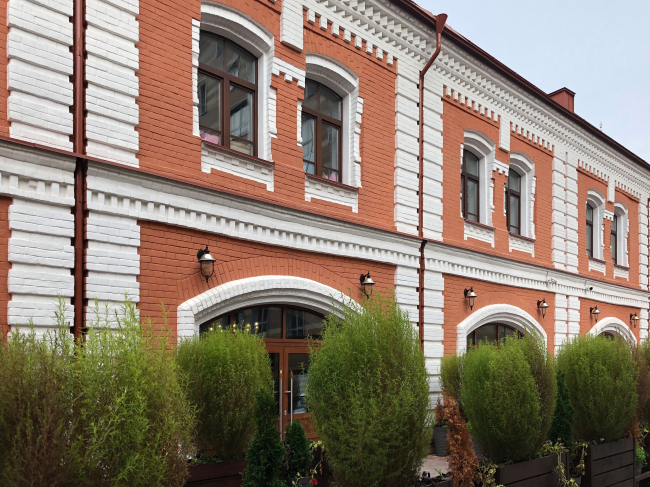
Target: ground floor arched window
492 333
288 333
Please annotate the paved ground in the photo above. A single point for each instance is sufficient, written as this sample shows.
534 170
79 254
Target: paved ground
432 463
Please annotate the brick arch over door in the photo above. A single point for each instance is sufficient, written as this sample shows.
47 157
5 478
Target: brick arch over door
263 266
256 291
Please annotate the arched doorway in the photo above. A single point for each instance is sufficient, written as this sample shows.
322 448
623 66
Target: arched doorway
492 333
288 332
614 328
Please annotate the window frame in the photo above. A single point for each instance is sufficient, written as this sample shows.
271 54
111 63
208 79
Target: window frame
613 239
590 229
320 119
512 192
472 334
464 176
226 80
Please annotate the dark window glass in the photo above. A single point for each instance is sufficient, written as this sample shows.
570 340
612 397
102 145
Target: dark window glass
275 372
299 370
469 191
614 240
492 333
302 324
590 230
321 120
513 202
226 90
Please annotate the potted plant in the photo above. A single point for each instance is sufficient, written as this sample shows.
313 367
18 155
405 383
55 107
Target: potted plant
223 370
508 393
440 431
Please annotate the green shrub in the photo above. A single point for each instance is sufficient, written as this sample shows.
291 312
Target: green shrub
136 422
224 369
507 391
368 393
451 373
299 454
265 456
37 414
563 416
601 378
641 355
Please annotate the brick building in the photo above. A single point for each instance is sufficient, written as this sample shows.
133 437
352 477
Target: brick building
119 162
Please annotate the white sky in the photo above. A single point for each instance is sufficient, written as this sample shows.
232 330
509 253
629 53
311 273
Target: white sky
557 43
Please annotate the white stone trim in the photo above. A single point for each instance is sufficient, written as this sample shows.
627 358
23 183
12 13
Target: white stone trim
256 291
622 272
478 232
613 325
484 149
501 313
525 167
242 166
243 30
622 233
291 24
515 242
597 201
345 83
597 265
335 193
196 38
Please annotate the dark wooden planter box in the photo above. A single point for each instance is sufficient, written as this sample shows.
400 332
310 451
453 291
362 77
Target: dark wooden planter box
610 464
533 473
224 474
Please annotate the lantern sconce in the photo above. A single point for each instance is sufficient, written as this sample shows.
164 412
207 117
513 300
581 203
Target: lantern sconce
542 306
366 283
207 263
634 319
594 311
470 295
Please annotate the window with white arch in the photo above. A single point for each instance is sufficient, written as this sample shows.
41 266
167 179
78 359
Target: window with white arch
619 234
492 333
477 160
520 196
594 215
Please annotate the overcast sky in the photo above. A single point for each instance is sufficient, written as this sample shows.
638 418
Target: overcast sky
599 49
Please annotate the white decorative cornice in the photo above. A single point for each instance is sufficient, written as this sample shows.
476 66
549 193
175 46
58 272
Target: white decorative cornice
500 167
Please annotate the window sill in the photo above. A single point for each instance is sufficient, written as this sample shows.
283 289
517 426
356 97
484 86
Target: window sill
479 231
598 265
621 268
516 235
235 153
521 243
328 181
622 272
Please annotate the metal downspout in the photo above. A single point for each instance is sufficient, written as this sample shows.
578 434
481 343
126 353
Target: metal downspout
81 167
441 19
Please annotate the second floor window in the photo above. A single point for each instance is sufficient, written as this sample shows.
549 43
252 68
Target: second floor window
614 240
590 230
322 131
227 91
469 186
513 202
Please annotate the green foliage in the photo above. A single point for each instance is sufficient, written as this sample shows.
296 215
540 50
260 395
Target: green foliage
110 412
136 422
507 393
265 456
601 378
36 408
299 454
451 374
224 369
368 393
640 455
642 357
563 416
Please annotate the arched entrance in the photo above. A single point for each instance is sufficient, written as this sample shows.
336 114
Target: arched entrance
613 327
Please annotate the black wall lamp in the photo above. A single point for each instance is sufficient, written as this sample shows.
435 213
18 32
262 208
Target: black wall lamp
207 263
634 319
366 283
470 295
594 311
542 306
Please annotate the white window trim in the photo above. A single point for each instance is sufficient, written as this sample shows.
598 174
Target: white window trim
622 232
345 83
484 149
241 29
597 201
525 167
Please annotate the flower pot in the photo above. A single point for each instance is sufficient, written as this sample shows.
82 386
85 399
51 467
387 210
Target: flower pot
610 464
440 440
223 474
539 472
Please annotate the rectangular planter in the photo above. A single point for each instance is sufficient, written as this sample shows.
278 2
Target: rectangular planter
610 464
533 473
224 474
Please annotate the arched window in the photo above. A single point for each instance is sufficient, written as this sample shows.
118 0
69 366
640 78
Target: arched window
590 230
513 202
227 85
271 322
469 186
322 113
492 333
613 239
